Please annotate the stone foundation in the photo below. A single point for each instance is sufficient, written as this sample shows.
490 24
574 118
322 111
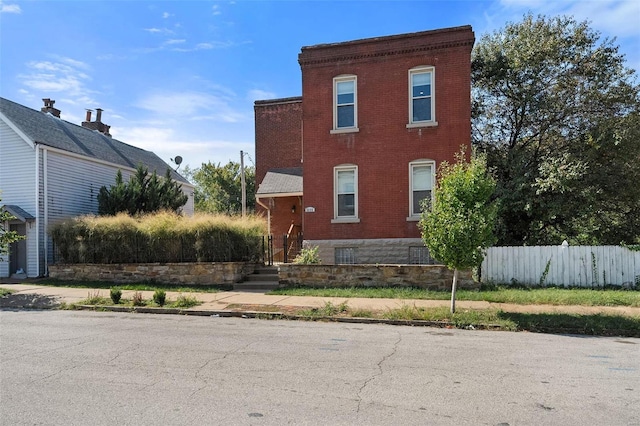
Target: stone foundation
370 251
164 273
431 277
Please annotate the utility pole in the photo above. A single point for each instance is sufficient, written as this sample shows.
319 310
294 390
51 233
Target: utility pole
243 185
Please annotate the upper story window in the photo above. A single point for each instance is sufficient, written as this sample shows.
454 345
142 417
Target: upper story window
421 178
345 181
421 97
345 104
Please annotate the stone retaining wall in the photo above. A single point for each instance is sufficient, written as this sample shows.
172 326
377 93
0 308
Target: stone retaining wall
432 277
165 273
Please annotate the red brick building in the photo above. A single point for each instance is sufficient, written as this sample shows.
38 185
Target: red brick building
376 117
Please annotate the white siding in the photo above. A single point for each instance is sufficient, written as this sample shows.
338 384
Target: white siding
17 183
579 266
73 185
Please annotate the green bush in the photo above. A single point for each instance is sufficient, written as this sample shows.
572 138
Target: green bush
185 302
159 297
116 294
308 256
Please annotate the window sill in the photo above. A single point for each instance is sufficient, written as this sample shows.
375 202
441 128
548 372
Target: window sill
347 130
425 124
346 220
413 218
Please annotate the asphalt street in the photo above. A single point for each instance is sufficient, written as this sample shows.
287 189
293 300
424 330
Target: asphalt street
98 368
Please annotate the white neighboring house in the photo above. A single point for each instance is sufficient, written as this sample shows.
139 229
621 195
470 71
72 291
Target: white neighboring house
52 170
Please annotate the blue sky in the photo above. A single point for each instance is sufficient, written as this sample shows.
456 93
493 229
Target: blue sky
180 77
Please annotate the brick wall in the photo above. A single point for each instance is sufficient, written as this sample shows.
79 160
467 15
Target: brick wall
278 127
384 146
282 218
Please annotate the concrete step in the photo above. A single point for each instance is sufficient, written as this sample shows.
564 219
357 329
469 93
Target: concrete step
255 285
266 270
262 277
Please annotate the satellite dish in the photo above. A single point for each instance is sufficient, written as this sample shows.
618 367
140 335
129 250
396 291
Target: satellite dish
177 161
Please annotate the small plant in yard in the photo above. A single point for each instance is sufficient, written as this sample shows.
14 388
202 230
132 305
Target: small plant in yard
159 297
116 294
308 256
137 299
95 298
185 302
328 310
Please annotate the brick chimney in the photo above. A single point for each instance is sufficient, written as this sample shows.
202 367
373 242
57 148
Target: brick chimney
98 124
48 107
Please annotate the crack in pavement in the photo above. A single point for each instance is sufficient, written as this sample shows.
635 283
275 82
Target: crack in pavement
380 370
205 380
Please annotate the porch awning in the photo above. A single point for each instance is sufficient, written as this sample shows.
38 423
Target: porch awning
18 213
281 183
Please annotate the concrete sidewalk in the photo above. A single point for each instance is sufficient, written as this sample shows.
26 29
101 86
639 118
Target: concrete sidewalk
34 296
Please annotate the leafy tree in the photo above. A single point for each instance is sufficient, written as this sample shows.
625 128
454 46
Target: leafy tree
459 226
6 237
143 193
555 109
219 188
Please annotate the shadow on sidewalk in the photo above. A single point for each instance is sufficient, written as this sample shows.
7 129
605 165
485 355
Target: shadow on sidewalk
28 301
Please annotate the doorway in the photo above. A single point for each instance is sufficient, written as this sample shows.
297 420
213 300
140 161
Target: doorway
18 250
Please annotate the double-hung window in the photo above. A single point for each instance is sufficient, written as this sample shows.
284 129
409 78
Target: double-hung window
421 178
345 104
345 193
421 97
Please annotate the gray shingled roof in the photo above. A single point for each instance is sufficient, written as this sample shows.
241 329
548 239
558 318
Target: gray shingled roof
281 181
18 213
45 129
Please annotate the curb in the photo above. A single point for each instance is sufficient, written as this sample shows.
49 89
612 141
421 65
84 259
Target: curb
349 320
278 315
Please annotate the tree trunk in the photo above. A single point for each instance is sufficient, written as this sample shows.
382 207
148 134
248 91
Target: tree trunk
453 291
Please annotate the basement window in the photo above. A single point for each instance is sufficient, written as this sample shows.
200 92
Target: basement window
345 255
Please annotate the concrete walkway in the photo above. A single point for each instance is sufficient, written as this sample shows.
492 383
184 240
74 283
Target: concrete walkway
28 295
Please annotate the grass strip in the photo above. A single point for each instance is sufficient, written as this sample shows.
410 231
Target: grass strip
591 324
520 296
182 301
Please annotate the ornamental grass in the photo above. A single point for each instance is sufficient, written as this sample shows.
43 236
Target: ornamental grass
160 237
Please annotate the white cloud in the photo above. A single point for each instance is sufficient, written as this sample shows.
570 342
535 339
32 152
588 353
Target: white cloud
154 30
10 8
257 95
165 143
175 41
207 46
166 15
65 75
216 10
191 106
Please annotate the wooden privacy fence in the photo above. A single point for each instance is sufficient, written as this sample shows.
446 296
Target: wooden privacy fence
575 266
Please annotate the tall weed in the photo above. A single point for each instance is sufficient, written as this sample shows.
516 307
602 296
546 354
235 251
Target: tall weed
159 237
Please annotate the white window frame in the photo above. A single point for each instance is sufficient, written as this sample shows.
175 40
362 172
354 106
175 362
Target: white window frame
422 70
420 163
351 218
336 81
